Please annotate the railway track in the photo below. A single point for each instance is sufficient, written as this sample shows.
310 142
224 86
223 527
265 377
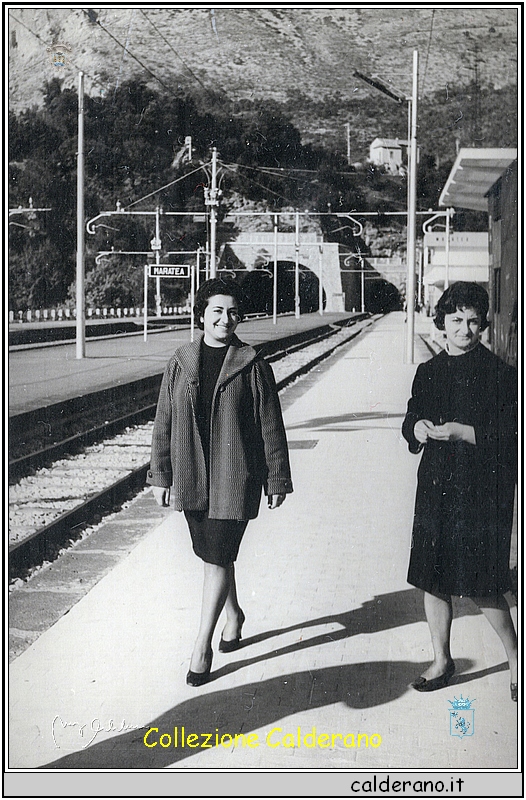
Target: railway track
82 468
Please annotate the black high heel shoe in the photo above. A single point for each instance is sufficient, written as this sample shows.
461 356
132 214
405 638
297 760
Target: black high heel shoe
228 646
423 685
199 678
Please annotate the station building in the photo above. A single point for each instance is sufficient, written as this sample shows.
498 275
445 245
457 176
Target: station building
485 179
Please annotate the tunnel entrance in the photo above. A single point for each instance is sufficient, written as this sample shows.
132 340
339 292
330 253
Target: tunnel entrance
258 286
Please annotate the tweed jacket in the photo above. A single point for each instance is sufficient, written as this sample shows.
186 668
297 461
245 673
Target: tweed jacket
248 445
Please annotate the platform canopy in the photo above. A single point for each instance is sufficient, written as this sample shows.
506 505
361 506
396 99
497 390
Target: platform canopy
473 174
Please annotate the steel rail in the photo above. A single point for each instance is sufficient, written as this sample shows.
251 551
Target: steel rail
52 422
45 543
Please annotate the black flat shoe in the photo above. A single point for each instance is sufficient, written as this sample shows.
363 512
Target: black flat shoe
423 685
514 689
229 645
199 678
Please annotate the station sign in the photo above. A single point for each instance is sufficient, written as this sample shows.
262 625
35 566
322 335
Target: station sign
169 270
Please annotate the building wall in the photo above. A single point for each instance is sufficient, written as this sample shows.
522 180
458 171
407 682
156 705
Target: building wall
386 155
465 249
254 248
503 264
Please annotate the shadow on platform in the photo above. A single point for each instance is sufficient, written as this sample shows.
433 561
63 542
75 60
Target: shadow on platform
326 423
252 706
246 708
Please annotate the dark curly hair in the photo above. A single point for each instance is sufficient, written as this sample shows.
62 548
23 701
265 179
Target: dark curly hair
215 286
460 295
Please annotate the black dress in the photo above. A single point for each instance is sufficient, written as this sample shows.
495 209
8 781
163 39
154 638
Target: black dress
465 494
215 541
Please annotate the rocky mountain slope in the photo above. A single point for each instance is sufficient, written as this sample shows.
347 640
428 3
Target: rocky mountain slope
283 54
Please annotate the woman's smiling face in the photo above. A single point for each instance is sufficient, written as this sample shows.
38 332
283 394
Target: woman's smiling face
220 320
462 330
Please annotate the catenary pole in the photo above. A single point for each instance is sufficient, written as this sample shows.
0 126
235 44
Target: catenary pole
213 218
193 272
411 222
157 261
275 274
446 265
297 268
145 309
80 324
320 279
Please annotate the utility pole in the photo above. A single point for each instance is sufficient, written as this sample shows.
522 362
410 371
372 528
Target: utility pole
211 199
446 262
348 127
157 261
297 268
213 217
320 279
411 220
411 195
80 325
275 275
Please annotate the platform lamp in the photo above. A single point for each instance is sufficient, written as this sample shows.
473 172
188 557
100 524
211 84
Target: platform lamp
411 196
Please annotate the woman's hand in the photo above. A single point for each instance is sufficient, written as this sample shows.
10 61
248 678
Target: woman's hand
275 500
422 430
162 495
453 432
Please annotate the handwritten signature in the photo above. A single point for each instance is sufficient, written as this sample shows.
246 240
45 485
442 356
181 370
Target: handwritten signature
89 729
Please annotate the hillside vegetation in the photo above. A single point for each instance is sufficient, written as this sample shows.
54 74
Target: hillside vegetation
272 88
133 147
251 53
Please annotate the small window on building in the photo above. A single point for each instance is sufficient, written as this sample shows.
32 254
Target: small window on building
495 201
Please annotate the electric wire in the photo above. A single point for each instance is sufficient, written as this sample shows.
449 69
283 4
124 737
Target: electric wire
176 54
96 81
124 53
428 49
167 185
256 183
268 171
282 170
135 58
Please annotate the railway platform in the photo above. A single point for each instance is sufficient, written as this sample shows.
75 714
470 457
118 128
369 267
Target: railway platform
41 376
333 637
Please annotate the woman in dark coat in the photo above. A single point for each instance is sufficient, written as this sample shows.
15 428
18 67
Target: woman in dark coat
218 440
463 416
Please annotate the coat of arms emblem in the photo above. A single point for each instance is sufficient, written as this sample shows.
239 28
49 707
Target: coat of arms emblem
58 54
461 717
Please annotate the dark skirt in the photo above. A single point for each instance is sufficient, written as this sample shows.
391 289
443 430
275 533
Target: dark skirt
458 554
215 541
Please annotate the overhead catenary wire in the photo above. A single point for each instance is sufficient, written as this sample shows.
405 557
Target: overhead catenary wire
268 171
192 73
135 58
428 49
281 171
95 81
167 185
128 36
256 183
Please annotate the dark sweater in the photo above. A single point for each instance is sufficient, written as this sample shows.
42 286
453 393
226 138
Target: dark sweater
210 365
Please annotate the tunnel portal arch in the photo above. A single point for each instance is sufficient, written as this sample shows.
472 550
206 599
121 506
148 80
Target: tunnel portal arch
258 285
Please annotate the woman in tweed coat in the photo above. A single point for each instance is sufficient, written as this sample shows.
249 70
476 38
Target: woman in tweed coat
218 440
